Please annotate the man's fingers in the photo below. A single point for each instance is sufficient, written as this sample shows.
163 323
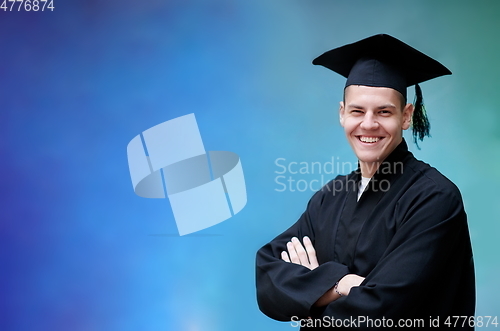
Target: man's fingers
304 255
301 252
311 252
292 253
284 256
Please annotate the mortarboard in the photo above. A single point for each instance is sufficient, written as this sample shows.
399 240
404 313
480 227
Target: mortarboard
384 61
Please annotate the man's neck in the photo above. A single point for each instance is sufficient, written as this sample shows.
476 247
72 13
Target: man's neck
368 169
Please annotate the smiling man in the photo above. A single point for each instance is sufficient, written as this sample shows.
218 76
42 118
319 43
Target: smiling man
388 244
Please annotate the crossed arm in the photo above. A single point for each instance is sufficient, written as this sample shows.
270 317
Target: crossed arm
305 255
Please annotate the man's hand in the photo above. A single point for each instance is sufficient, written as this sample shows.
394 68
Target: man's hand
306 256
299 255
349 281
344 287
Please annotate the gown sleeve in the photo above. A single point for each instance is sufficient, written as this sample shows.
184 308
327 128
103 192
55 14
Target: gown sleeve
423 269
287 289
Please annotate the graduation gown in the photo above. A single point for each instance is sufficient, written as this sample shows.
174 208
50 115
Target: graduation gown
407 235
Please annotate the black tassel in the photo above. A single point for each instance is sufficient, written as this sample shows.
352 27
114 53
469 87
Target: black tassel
420 122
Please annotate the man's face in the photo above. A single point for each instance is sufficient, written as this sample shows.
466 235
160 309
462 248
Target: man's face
373 119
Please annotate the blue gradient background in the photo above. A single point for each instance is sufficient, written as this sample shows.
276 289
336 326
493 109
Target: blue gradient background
80 251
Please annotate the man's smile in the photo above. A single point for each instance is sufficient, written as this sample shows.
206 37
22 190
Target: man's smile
369 139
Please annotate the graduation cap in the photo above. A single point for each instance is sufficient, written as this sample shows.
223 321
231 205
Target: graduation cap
384 61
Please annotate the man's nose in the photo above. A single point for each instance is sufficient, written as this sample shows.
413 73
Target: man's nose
369 122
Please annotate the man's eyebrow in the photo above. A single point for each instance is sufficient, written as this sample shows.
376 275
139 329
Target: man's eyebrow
389 105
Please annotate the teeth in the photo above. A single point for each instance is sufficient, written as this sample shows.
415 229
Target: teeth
369 139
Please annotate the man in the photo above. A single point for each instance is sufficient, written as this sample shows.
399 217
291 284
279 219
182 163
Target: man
388 244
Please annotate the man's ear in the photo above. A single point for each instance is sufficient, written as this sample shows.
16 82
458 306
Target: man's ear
407 116
341 113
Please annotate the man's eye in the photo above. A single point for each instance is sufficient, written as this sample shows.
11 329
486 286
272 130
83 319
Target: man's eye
385 112
357 111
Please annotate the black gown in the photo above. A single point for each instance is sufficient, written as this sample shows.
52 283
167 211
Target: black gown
407 235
